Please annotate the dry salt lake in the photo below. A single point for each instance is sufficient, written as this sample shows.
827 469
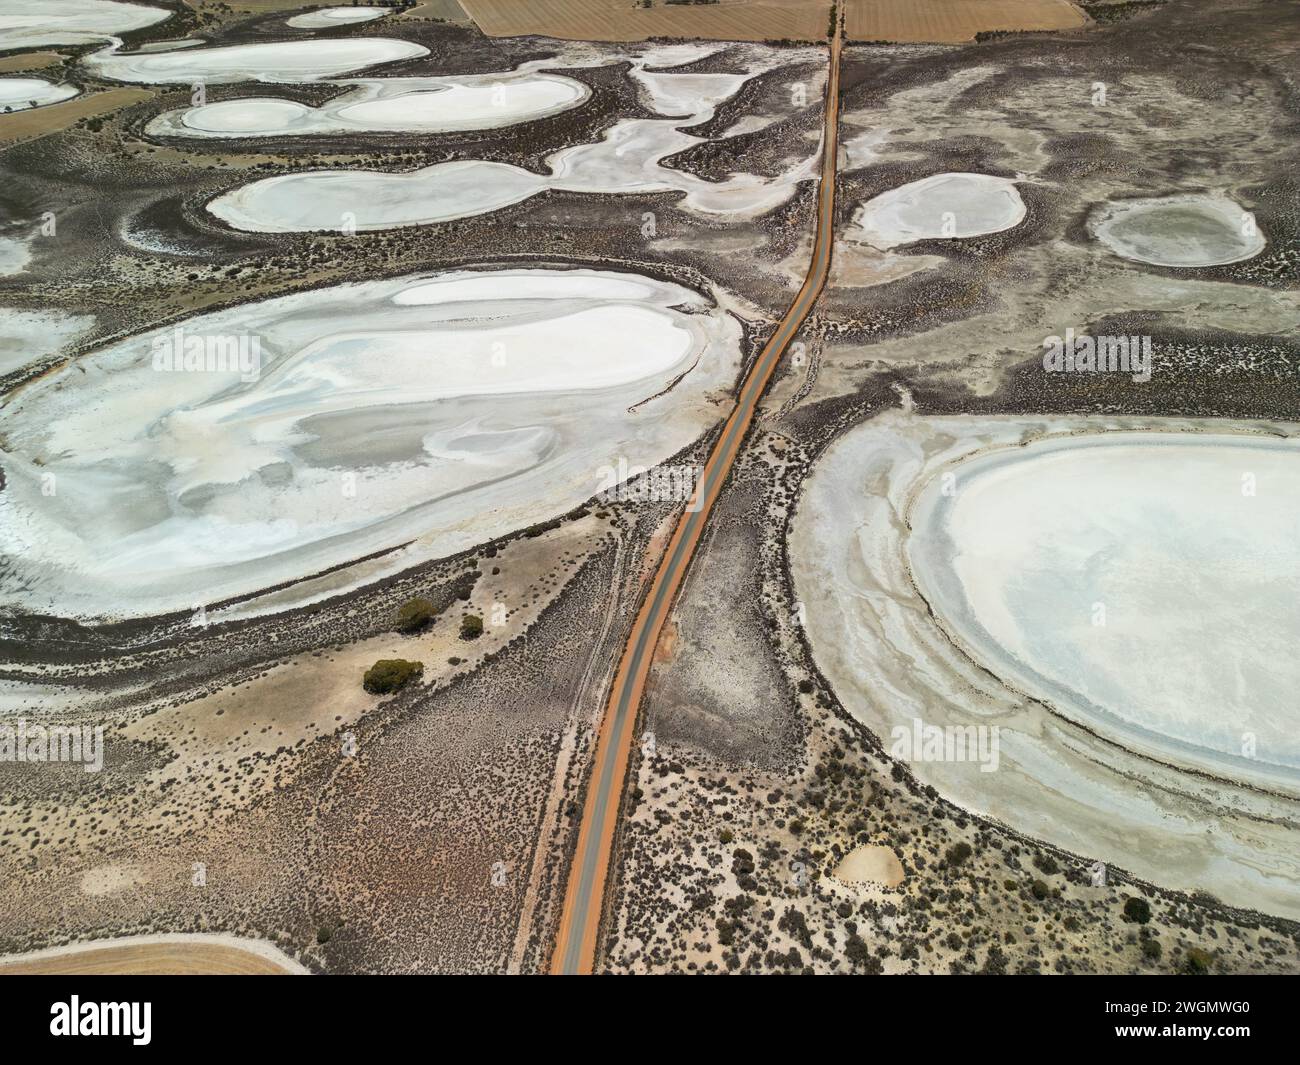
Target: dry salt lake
1117 596
469 403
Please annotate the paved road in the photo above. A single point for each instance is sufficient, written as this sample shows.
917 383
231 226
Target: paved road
576 945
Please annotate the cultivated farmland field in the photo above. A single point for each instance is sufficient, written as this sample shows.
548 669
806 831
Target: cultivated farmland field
38 121
173 955
620 20
953 21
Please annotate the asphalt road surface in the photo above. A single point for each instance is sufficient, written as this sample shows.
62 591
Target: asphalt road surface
577 941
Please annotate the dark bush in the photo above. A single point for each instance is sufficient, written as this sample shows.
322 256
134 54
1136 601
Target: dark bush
855 949
471 627
415 614
390 674
1137 910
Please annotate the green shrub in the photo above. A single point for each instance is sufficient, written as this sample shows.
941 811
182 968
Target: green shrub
1137 910
390 674
1197 962
415 614
471 627
958 853
1040 889
1151 949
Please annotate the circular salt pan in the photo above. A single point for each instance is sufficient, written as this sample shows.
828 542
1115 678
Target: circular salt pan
941 206
282 61
1147 585
19 94
335 16
1188 231
258 445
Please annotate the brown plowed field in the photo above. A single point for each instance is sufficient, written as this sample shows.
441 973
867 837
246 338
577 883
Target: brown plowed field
954 21
158 958
620 20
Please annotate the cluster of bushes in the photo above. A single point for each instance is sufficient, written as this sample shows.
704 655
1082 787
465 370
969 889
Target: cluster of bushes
415 614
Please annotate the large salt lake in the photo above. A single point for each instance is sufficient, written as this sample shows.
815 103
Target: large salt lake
430 105
275 61
1143 582
24 24
1117 597
435 411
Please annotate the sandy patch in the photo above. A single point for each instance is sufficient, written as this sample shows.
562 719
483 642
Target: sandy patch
109 879
861 266
870 864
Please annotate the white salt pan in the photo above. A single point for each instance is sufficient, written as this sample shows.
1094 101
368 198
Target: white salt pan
940 206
